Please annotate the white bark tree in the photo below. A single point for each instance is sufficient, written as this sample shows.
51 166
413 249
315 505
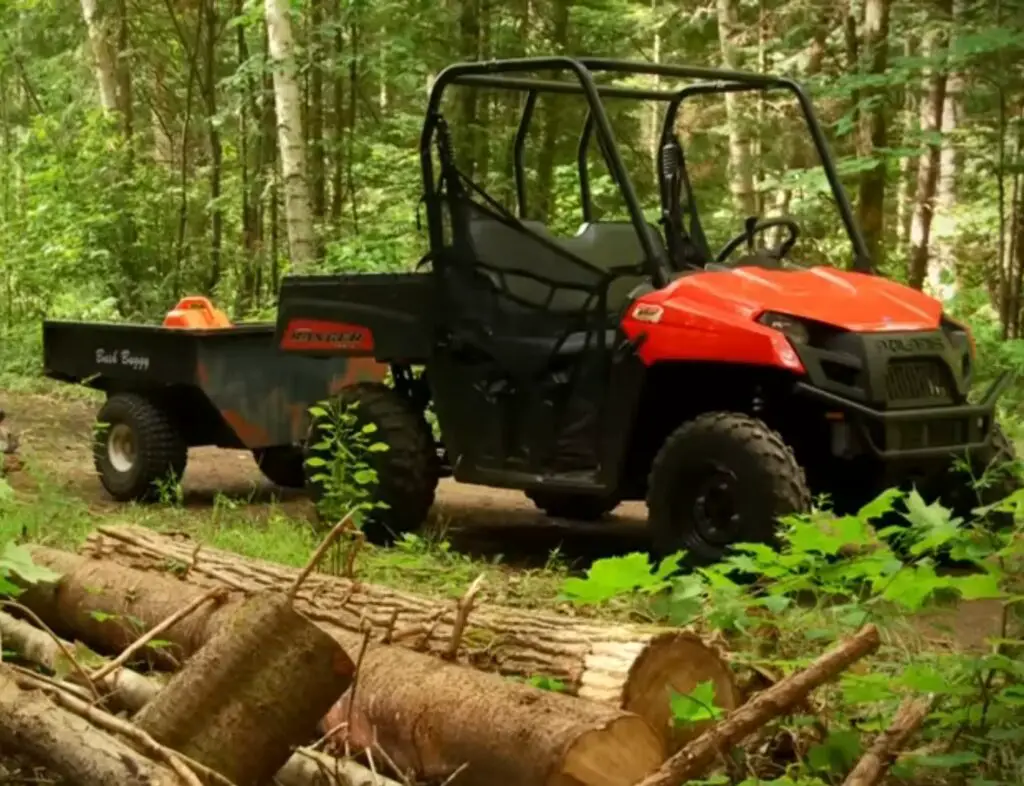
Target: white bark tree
288 103
741 173
104 59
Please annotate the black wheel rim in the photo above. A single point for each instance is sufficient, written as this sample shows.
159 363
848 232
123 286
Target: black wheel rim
710 502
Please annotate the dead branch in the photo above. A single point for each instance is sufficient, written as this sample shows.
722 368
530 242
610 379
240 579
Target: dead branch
874 764
318 555
693 760
462 610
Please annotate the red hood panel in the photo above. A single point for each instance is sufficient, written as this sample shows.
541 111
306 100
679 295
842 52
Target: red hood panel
851 301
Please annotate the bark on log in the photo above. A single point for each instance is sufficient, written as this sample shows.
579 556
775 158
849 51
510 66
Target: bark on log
432 717
693 761
874 764
255 690
631 667
69 746
134 690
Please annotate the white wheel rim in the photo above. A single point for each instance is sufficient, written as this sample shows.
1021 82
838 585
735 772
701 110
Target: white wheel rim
121 448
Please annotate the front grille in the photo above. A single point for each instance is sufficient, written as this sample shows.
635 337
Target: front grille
917 380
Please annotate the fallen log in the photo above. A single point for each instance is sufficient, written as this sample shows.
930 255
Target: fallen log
69 746
254 691
693 761
875 763
432 718
133 690
635 668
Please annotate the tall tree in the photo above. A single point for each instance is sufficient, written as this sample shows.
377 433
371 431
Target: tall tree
104 58
871 131
288 103
741 172
928 166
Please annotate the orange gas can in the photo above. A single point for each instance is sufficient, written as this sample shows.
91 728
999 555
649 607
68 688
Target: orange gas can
196 313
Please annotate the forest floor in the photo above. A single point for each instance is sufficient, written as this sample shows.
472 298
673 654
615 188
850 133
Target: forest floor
225 502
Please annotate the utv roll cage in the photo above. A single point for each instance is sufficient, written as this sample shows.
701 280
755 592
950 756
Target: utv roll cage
671 164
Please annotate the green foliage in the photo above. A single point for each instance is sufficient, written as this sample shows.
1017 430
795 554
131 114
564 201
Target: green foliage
16 563
831 575
338 462
697 706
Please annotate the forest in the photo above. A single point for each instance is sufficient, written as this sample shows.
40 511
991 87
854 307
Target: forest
140 160
238 629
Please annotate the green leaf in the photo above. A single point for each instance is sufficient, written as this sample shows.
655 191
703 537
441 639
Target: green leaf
18 560
364 477
880 505
695 707
378 447
315 461
369 428
976 587
947 761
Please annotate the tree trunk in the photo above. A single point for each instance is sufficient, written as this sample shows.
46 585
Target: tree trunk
553 119
216 150
928 167
627 666
254 690
338 129
741 174
908 164
133 691
469 35
872 132
125 104
104 58
67 745
943 275
316 109
298 211
490 729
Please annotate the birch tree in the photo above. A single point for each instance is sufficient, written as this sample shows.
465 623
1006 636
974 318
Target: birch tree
288 103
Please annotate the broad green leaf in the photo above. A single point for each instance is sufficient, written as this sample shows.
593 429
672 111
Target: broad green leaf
18 560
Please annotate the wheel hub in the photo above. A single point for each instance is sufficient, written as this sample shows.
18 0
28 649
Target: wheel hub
121 447
714 507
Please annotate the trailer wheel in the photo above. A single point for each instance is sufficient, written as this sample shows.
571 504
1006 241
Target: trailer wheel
581 507
407 472
136 445
282 465
720 479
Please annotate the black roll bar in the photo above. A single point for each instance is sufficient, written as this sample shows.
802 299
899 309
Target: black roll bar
493 74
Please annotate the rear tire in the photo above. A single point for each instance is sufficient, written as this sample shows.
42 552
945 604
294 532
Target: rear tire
136 445
282 465
407 473
720 479
565 505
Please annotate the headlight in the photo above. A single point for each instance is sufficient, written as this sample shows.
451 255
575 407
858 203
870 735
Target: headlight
793 329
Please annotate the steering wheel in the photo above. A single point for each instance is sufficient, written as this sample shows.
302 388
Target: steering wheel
754 227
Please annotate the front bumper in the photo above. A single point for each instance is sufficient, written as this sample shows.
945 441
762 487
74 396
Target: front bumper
917 433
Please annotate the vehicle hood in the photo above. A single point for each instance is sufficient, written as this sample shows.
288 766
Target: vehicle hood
850 301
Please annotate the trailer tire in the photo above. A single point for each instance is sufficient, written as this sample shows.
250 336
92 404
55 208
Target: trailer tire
407 472
735 462
566 505
282 465
135 446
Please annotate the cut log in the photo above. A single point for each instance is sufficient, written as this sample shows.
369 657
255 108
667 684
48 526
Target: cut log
431 717
874 764
69 746
693 761
635 668
255 690
133 690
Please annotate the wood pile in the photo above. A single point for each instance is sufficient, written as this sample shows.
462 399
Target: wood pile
300 678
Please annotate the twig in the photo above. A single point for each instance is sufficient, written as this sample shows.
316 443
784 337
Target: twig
358 539
458 771
418 628
152 633
64 650
318 555
355 676
328 734
693 760
386 638
874 764
194 562
109 723
463 608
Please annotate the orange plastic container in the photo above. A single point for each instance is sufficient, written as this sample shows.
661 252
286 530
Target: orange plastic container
196 313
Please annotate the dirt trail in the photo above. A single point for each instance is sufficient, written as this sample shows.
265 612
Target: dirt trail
477 520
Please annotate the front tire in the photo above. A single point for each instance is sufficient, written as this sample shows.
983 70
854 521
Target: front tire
720 479
136 445
581 507
282 465
407 472
996 467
